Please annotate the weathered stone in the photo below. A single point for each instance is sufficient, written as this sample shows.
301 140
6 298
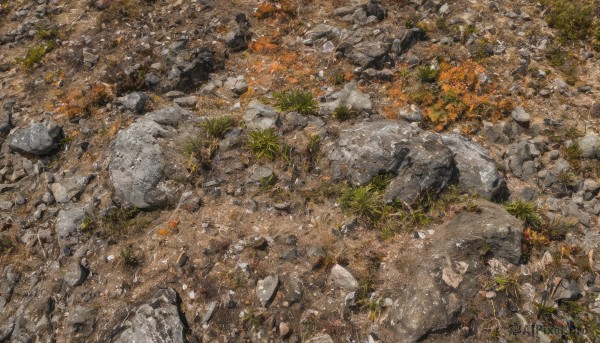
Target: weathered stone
260 117
477 172
68 224
342 278
265 289
590 146
418 160
521 116
39 139
69 188
141 158
351 98
134 102
157 321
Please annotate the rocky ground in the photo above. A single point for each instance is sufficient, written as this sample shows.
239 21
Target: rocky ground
299 171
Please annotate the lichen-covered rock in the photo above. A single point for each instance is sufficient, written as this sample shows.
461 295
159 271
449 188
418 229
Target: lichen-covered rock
418 160
158 321
38 139
147 155
477 171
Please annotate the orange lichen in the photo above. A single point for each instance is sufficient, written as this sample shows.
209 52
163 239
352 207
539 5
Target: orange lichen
263 45
162 231
279 10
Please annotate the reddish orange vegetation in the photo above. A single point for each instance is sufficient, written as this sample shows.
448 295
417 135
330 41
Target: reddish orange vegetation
263 45
162 231
281 9
79 102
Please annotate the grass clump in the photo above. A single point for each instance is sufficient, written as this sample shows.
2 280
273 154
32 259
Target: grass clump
297 100
129 258
574 19
36 53
343 113
6 245
265 144
218 127
363 202
199 151
526 213
427 74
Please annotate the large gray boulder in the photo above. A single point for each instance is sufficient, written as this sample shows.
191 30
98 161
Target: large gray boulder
147 156
477 171
38 139
418 159
443 277
158 321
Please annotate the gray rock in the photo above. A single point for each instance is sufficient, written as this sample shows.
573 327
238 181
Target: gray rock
157 321
258 173
5 124
68 224
260 117
82 320
5 205
523 160
134 102
411 114
590 146
477 172
69 188
76 274
4 187
186 101
265 289
189 75
367 54
144 158
340 277
293 289
350 97
320 31
409 38
566 290
424 303
237 85
38 139
521 116
418 159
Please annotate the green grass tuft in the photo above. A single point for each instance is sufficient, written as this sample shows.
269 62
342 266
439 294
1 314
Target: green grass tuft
526 213
218 127
363 202
427 73
265 144
297 100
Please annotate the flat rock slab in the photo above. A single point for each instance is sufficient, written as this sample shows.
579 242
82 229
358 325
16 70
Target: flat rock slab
265 289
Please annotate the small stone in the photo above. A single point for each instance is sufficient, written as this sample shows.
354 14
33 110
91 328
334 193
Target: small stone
521 116
342 278
209 312
265 289
134 102
188 101
284 329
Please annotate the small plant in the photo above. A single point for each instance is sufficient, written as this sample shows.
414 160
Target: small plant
6 245
573 152
200 152
364 202
119 217
544 311
575 19
265 144
297 100
88 224
36 53
427 73
342 113
267 183
218 127
129 258
526 213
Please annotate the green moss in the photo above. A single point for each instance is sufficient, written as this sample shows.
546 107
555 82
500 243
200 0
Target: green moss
574 19
36 53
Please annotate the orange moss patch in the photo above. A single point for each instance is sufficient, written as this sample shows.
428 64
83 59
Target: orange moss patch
263 45
84 103
280 9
